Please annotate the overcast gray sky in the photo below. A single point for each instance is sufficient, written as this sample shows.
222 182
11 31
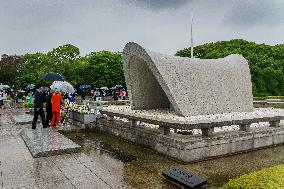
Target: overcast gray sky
160 25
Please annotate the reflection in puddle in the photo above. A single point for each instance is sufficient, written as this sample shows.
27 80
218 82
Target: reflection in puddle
90 142
142 168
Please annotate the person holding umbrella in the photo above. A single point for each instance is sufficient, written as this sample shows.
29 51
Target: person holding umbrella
56 104
38 108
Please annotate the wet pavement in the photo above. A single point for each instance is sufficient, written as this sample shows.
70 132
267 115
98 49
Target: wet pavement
18 169
22 118
142 167
109 162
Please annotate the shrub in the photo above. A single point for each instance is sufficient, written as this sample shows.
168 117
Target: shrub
259 98
275 97
28 105
272 177
267 97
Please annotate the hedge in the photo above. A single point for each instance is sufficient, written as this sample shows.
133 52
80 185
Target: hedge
270 178
268 97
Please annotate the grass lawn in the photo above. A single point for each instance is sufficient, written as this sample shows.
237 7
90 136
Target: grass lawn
272 177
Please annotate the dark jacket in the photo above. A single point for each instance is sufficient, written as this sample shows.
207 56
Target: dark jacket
39 98
48 102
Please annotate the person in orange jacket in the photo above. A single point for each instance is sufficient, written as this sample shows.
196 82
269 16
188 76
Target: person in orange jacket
56 104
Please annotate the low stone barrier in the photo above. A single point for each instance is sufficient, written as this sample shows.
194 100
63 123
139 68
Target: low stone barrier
207 127
192 148
276 103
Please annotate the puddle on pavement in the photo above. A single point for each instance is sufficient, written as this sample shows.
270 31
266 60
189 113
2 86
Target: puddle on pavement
142 167
90 142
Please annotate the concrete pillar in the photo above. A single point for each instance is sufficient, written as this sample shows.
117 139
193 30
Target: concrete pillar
274 123
133 123
244 127
175 130
207 131
165 129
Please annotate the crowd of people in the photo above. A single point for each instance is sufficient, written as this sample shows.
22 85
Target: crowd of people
16 98
53 100
104 94
6 95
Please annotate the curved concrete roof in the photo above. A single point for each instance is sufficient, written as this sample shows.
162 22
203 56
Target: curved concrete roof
187 86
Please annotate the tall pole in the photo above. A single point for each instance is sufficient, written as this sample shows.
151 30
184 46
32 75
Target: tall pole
191 36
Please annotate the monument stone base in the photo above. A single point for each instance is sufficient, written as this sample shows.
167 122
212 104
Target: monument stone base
191 148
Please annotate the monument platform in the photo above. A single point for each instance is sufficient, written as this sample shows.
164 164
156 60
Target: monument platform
245 131
48 142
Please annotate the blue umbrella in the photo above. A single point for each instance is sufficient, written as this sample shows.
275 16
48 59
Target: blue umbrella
30 87
85 87
118 86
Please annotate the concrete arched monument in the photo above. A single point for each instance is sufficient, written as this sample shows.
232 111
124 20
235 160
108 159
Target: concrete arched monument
187 86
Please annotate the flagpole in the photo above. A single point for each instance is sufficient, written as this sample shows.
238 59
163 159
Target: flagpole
191 36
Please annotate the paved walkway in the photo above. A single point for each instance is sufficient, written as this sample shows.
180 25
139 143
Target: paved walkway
18 169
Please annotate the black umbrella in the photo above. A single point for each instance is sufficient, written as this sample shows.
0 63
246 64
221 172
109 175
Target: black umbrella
53 76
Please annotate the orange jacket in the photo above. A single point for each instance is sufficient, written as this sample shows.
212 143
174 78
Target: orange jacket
56 101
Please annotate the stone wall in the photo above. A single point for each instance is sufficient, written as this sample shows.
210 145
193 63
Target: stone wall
189 86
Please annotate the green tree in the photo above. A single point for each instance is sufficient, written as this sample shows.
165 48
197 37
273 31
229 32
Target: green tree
77 73
65 53
63 60
105 69
33 67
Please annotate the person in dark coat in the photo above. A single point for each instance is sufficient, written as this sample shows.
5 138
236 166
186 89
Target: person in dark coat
83 95
48 107
38 108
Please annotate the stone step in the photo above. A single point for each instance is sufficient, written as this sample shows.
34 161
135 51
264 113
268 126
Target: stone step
48 142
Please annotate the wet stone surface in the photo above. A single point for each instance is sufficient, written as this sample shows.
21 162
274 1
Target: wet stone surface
109 162
23 118
47 142
145 170
18 169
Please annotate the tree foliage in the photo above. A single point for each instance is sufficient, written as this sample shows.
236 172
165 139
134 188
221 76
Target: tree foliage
105 68
9 68
33 66
102 68
266 62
